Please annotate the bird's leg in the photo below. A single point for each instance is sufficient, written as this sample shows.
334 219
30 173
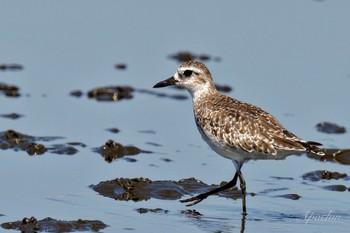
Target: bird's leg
201 197
243 189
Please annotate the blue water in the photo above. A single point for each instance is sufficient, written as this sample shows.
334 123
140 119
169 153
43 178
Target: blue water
289 57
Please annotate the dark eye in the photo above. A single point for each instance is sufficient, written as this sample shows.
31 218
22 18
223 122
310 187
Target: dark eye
188 73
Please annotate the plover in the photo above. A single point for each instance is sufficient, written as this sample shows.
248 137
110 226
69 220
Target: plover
234 129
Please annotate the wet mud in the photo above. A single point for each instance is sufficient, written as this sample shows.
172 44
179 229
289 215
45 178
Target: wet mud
12 67
147 131
290 196
328 175
120 66
154 144
143 189
333 155
12 116
113 130
117 93
11 139
32 225
9 90
330 128
267 191
184 56
148 210
77 93
281 178
336 187
324 175
112 150
167 160
191 213
111 93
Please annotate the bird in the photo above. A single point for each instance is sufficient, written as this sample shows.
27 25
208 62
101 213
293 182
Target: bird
234 129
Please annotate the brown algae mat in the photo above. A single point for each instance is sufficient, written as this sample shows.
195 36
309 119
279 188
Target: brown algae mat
11 139
112 150
322 175
32 225
142 189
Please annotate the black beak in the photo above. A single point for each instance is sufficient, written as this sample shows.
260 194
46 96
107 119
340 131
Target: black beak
167 82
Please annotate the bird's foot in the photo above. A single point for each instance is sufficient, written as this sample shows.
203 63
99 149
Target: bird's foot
195 200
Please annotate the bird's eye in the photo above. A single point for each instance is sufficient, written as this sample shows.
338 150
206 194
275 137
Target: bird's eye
188 73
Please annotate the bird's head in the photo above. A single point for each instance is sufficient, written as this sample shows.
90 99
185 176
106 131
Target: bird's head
193 76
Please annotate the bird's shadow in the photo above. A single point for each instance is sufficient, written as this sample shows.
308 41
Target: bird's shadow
341 156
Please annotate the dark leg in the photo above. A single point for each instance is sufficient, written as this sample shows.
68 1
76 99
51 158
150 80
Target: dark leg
243 189
202 196
243 224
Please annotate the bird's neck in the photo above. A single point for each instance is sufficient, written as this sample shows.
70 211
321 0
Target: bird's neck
205 92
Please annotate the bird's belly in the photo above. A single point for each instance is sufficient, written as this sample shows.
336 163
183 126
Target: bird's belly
222 149
239 155
227 152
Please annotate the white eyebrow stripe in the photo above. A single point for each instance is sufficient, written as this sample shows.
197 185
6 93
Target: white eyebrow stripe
194 69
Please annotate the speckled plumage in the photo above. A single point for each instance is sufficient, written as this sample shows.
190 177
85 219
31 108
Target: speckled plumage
240 131
235 130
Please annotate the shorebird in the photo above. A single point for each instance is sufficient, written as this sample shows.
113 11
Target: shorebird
234 129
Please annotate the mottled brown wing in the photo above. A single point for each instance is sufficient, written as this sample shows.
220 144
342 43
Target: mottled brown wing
246 127
272 129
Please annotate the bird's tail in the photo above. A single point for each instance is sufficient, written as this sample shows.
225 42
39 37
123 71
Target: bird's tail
313 148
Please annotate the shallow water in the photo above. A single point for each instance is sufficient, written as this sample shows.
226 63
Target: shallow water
290 58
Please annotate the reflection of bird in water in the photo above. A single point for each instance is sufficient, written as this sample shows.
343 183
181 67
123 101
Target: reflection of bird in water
235 130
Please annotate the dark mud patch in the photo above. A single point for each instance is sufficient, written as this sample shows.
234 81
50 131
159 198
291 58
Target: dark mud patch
292 196
324 175
12 116
113 130
32 225
266 191
333 155
336 187
154 144
120 66
111 93
331 128
184 56
117 93
112 150
142 189
80 144
62 149
281 178
149 131
167 160
11 139
192 213
148 210
77 93
9 90
12 67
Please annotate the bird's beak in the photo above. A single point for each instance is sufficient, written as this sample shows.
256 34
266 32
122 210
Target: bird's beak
166 82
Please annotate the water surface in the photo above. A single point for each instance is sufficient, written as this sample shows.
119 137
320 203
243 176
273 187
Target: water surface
291 58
